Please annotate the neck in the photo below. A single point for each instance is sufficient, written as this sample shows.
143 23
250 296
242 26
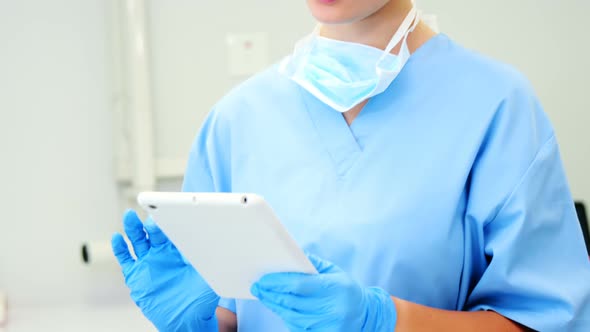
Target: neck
375 30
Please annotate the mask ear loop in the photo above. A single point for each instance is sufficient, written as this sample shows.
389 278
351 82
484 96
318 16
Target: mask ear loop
412 28
403 30
407 27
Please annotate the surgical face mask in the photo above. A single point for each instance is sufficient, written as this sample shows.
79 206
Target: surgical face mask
344 74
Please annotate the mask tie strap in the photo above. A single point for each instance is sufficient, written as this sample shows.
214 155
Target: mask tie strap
403 30
407 26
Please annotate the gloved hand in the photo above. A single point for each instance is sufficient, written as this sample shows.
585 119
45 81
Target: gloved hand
167 289
328 301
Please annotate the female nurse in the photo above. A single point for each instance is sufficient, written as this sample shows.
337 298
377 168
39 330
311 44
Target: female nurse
423 179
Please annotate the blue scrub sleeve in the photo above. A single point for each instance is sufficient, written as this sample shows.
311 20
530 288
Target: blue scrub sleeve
205 171
229 304
534 268
208 163
537 273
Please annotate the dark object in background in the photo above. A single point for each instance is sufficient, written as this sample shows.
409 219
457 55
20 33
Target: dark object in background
583 217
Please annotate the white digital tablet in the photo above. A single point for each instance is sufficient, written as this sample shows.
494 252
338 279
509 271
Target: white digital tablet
231 239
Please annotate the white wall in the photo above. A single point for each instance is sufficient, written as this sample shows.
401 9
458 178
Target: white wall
190 58
56 132
56 175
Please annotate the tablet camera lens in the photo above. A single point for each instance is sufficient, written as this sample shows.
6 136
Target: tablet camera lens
153 207
244 199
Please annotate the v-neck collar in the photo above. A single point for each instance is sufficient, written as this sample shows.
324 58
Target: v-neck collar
336 136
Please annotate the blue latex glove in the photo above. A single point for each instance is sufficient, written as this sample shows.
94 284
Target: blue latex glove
167 289
328 301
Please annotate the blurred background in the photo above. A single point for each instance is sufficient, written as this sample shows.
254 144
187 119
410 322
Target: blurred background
100 99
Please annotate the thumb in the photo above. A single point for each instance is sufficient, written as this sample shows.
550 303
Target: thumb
323 266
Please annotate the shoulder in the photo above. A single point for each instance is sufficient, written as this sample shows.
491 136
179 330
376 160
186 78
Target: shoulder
485 92
491 103
480 73
511 98
255 96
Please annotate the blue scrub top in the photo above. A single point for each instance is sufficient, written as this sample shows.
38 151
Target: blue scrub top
447 190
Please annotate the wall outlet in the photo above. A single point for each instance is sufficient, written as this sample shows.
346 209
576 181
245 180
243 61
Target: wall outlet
248 53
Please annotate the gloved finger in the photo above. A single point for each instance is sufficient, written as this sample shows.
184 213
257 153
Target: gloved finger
294 283
136 234
307 305
322 265
157 237
121 251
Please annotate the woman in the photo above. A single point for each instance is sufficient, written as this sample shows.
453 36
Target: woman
431 198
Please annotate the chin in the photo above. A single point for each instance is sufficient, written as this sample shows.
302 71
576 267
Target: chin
335 12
